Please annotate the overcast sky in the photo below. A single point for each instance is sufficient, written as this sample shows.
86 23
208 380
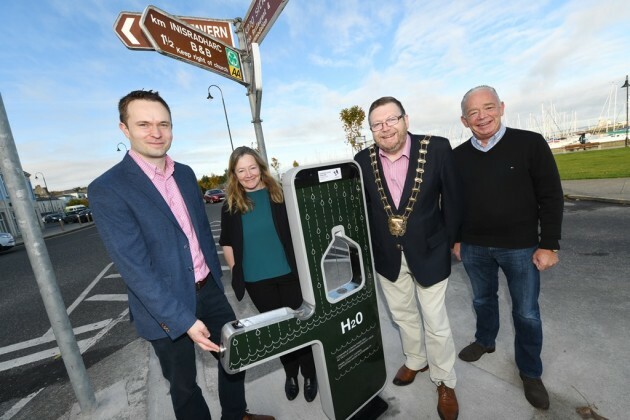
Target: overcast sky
63 70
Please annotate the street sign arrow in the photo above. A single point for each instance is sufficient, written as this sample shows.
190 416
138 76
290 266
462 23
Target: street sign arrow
127 27
260 17
173 37
126 30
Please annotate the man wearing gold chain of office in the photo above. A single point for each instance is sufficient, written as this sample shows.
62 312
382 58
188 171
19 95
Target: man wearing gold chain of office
412 193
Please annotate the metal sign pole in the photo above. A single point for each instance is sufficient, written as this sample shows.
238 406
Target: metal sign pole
18 191
254 92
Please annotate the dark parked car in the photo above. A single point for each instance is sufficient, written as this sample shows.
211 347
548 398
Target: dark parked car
53 217
214 196
77 216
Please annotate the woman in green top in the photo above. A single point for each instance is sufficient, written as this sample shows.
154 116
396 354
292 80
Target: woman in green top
257 246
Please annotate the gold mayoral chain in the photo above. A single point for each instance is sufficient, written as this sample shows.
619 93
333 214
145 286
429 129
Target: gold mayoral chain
398 223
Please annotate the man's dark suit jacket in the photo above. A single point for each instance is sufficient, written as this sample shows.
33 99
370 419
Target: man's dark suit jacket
149 248
434 222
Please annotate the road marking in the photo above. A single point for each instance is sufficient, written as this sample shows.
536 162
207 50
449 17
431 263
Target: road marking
82 296
108 298
19 405
84 345
33 357
104 327
90 342
43 340
113 276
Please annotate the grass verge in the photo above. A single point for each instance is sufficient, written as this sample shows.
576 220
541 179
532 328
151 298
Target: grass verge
594 164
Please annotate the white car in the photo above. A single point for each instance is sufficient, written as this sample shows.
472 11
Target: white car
6 241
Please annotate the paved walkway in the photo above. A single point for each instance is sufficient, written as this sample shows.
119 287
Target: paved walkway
129 385
615 190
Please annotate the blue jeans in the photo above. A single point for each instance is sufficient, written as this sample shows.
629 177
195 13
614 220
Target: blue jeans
523 279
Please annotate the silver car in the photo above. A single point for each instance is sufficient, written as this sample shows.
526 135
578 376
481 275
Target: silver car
6 241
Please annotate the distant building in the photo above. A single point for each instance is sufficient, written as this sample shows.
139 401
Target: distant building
8 222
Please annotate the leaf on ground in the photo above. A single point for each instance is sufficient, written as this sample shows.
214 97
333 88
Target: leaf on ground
589 413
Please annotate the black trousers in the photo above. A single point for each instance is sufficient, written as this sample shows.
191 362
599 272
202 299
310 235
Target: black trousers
177 359
280 292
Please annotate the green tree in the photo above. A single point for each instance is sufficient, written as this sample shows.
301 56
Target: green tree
295 164
352 119
77 201
212 181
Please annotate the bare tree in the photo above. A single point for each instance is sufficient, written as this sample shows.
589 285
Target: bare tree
275 164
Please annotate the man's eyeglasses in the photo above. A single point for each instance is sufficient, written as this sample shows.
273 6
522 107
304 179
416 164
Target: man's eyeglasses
390 122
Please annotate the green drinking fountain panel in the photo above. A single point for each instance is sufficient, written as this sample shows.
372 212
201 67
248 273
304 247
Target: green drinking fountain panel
339 316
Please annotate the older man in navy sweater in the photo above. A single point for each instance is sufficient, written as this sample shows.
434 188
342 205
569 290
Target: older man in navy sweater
512 221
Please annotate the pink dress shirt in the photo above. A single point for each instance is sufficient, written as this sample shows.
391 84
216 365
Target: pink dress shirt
166 185
395 173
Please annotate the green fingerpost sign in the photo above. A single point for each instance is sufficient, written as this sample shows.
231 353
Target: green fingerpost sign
339 317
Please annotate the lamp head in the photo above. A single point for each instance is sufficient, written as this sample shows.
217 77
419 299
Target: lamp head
209 95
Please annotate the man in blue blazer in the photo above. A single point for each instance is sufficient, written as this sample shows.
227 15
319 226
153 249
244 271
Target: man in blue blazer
150 215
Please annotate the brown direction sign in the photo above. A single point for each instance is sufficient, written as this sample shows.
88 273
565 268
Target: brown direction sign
260 17
174 38
127 27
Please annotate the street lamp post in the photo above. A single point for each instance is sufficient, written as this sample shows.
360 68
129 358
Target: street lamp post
123 145
224 111
626 85
47 190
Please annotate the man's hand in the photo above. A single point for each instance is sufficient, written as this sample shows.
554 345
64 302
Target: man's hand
544 259
200 335
456 251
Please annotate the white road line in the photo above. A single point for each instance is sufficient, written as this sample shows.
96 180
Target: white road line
86 344
34 357
43 340
113 276
87 290
19 405
82 296
108 298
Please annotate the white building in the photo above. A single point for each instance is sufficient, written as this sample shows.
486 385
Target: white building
8 222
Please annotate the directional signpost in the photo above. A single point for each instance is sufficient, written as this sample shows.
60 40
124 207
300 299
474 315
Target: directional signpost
174 38
260 17
128 29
